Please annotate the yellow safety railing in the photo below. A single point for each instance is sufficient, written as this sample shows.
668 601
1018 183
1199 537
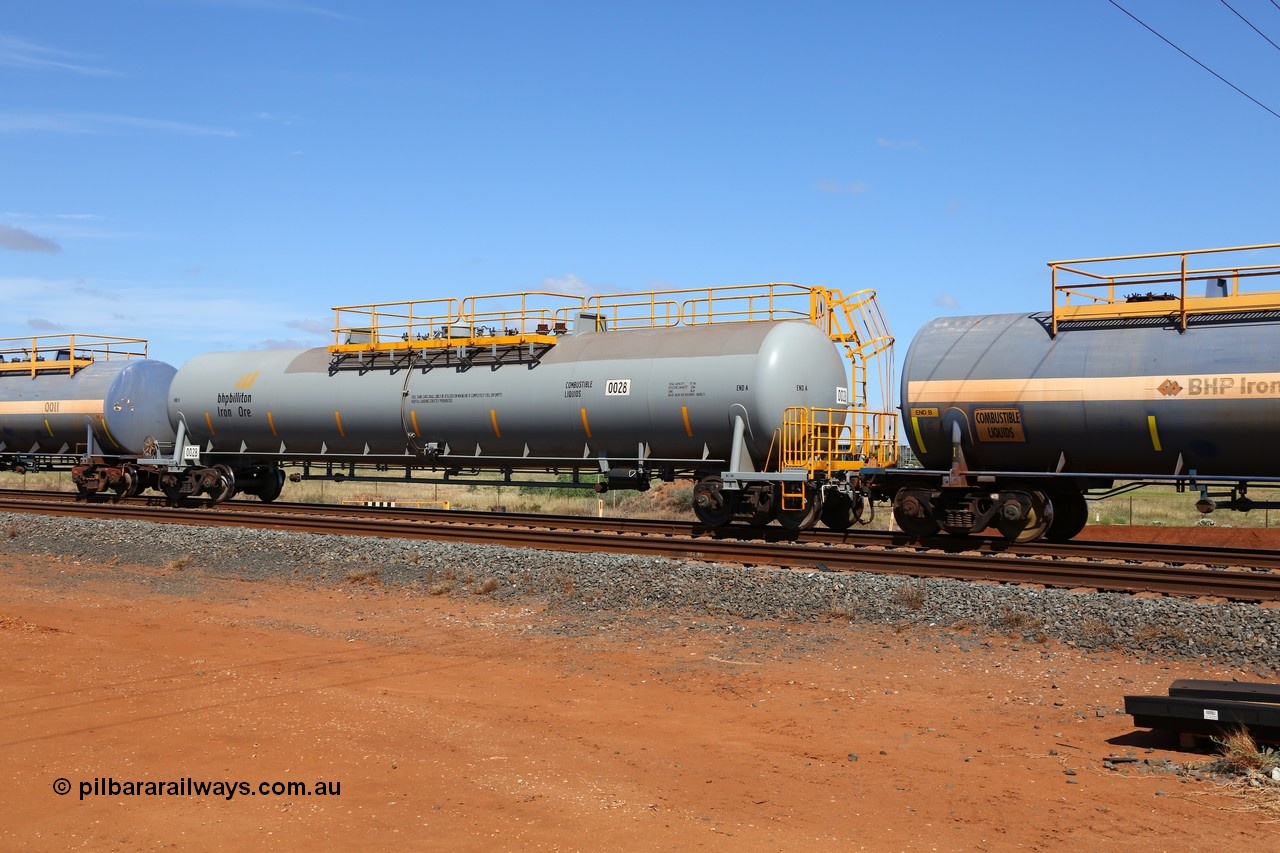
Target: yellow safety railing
740 303
428 322
855 322
65 353
1108 287
504 318
826 440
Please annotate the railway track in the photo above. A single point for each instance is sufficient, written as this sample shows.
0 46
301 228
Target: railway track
1229 573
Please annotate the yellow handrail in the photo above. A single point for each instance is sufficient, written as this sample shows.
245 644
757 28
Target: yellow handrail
65 353
827 440
1095 281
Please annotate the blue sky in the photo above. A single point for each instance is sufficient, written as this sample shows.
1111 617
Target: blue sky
217 174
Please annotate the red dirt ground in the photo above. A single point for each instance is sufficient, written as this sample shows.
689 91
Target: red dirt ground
469 725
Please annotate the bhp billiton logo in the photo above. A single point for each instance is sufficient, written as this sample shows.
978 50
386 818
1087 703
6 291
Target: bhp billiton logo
1169 387
244 383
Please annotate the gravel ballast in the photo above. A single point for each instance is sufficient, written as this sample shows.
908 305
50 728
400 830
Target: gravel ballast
1246 636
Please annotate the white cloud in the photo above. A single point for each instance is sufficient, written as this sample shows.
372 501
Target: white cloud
19 53
900 143
60 227
568 284
92 293
102 123
279 118
38 123
19 240
172 317
946 300
278 6
839 188
312 327
284 343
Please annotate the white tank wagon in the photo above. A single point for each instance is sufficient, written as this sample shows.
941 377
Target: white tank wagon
91 402
620 389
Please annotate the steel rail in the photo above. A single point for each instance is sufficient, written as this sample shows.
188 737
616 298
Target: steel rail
1082 548
992 567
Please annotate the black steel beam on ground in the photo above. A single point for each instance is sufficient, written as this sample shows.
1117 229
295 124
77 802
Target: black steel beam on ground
1211 708
1239 691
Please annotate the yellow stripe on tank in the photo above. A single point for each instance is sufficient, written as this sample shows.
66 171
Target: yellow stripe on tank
1155 435
915 427
46 426
52 407
337 417
684 413
586 426
493 419
271 422
209 422
413 418
102 422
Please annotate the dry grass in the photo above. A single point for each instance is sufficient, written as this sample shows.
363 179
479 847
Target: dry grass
1250 768
370 575
1241 754
1152 634
441 586
488 585
180 563
1016 620
1096 629
1263 803
912 594
841 609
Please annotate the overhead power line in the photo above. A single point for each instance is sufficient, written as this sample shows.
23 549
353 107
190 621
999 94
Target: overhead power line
1193 59
1250 23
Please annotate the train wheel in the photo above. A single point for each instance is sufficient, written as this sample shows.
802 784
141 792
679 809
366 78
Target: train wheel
914 515
1070 515
803 519
711 504
1032 526
126 485
226 485
838 511
272 484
